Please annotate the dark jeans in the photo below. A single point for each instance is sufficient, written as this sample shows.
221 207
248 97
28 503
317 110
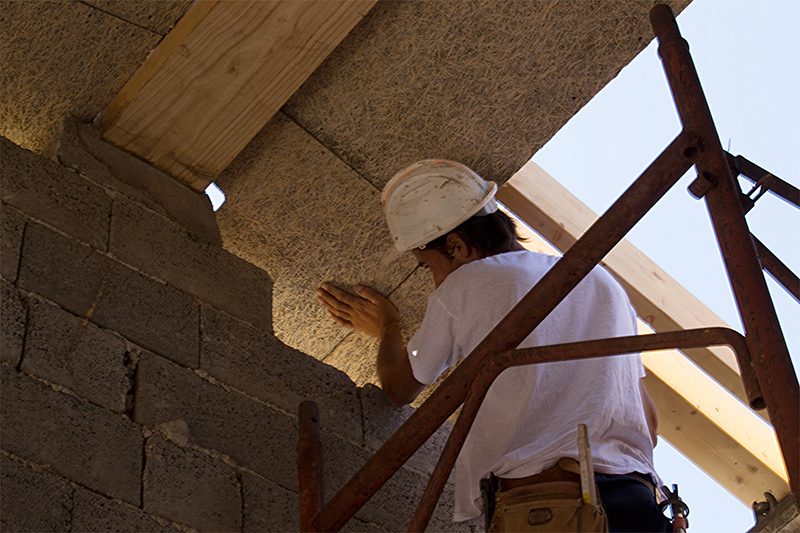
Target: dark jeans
630 505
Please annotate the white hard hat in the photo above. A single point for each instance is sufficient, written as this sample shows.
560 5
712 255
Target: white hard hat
431 198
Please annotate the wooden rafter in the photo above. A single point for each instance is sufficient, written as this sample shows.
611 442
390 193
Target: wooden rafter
219 76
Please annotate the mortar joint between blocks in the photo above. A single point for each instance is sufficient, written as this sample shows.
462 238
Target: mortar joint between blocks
240 480
25 330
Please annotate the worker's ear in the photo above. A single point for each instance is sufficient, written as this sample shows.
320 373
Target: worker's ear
458 249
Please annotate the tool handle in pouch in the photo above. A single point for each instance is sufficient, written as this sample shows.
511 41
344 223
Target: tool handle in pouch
588 488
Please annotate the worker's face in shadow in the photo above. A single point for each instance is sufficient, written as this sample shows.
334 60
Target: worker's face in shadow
441 265
436 263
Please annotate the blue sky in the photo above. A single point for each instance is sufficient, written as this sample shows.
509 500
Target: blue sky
747 54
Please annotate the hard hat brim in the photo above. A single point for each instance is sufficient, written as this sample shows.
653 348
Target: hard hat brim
391 255
432 197
487 201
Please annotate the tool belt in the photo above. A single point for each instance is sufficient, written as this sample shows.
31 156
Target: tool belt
549 501
565 470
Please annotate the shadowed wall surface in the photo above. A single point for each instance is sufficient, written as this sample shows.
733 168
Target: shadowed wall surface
133 342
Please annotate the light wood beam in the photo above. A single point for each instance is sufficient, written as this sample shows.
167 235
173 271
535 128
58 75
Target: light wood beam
738 465
217 78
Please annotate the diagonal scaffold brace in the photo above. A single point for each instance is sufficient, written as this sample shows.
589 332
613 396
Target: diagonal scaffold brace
771 362
765 366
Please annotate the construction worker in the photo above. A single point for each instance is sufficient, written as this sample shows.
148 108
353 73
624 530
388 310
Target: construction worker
523 441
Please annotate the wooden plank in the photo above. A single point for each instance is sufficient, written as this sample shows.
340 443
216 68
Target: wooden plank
211 87
168 45
551 210
714 450
745 456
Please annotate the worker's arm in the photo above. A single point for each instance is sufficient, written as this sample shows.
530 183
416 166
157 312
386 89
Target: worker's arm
650 412
371 313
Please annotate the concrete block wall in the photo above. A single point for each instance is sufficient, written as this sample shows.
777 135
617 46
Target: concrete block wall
142 385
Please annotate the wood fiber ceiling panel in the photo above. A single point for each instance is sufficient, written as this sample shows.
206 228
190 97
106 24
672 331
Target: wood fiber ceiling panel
158 16
62 59
484 82
298 211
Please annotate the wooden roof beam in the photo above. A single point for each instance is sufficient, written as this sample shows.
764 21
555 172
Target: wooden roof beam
216 79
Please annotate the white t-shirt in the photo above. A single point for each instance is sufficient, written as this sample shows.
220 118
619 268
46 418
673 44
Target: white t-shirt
530 416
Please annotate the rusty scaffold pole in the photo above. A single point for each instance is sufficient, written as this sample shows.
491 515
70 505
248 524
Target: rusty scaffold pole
763 182
309 464
697 144
771 362
531 310
683 339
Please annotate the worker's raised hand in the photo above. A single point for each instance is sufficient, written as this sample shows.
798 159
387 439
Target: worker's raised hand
367 311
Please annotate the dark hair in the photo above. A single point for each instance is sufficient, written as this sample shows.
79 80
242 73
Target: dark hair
490 234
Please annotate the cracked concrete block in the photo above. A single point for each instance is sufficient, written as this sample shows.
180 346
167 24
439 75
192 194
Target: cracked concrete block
12 319
158 16
31 500
188 487
268 506
443 514
63 270
83 150
94 512
12 226
92 285
262 366
147 241
91 445
43 189
394 505
354 525
254 435
76 354
381 420
262 439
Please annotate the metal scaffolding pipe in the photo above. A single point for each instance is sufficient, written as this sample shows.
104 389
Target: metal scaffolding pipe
778 269
683 339
534 307
765 339
310 476
754 173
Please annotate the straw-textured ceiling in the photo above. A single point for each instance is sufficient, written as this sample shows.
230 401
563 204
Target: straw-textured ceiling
483 82
486 82
68 59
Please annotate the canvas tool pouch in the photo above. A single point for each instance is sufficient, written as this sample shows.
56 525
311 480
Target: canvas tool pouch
549 506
